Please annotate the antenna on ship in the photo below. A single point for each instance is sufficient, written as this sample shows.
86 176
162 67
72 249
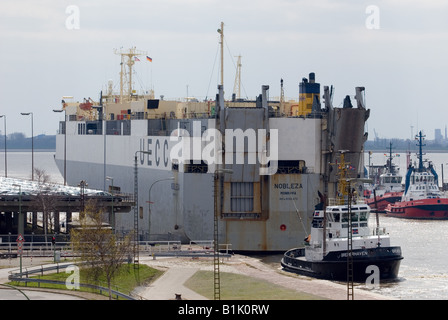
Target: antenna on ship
128 58
420 144
237 85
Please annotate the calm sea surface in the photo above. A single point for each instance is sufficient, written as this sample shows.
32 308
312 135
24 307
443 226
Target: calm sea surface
19 164
424 269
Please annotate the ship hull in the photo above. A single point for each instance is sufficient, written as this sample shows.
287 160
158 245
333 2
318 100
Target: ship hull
381 202
334 265
182 209
431 209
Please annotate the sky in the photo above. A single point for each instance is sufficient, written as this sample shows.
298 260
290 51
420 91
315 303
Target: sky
396 49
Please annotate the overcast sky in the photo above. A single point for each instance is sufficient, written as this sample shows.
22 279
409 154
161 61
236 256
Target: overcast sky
398 51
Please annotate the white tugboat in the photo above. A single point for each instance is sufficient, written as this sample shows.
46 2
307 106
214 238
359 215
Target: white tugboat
389 189
337 236
422 198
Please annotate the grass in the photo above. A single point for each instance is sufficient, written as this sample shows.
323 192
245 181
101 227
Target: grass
240 287
125 281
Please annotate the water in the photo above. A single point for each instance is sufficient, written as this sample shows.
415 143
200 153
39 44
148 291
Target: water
19 165
423 272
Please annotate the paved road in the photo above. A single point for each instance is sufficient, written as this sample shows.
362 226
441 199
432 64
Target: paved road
25 294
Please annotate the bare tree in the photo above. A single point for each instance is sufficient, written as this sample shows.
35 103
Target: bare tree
98 246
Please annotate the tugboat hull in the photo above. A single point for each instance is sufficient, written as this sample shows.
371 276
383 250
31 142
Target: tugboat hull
432 209
381 202
334 265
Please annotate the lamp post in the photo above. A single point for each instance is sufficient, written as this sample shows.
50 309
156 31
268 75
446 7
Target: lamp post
65 143
32 142
149 203
6 165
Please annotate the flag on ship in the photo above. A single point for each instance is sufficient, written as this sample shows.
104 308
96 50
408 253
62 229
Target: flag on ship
149 59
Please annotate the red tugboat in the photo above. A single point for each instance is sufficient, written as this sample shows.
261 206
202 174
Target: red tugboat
422 198
389 189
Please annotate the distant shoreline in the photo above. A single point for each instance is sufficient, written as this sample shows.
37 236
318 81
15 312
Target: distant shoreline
405 151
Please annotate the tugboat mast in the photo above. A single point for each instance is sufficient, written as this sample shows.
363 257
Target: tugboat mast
420 152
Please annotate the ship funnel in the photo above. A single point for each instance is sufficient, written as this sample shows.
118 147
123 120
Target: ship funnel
309 93
312 77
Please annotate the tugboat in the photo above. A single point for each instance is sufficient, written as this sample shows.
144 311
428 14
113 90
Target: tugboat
341 237
389 190
422 198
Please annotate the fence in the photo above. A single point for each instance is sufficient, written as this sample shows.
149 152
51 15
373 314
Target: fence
152 248
36 249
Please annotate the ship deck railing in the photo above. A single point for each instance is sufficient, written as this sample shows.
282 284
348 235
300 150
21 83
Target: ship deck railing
342 201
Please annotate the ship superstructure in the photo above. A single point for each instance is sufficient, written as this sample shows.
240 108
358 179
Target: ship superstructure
389 189
276 157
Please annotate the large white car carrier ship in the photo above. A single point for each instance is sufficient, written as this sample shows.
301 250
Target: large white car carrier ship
269 158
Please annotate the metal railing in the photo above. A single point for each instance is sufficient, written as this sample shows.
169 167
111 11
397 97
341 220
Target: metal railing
37 249
65 249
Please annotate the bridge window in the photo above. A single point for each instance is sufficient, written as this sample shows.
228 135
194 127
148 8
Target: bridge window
291 166
196 167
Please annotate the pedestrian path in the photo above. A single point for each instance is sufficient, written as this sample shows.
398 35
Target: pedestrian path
171 285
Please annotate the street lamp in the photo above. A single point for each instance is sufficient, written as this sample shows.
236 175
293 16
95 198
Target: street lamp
32 142
65 143
6 165
149 204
